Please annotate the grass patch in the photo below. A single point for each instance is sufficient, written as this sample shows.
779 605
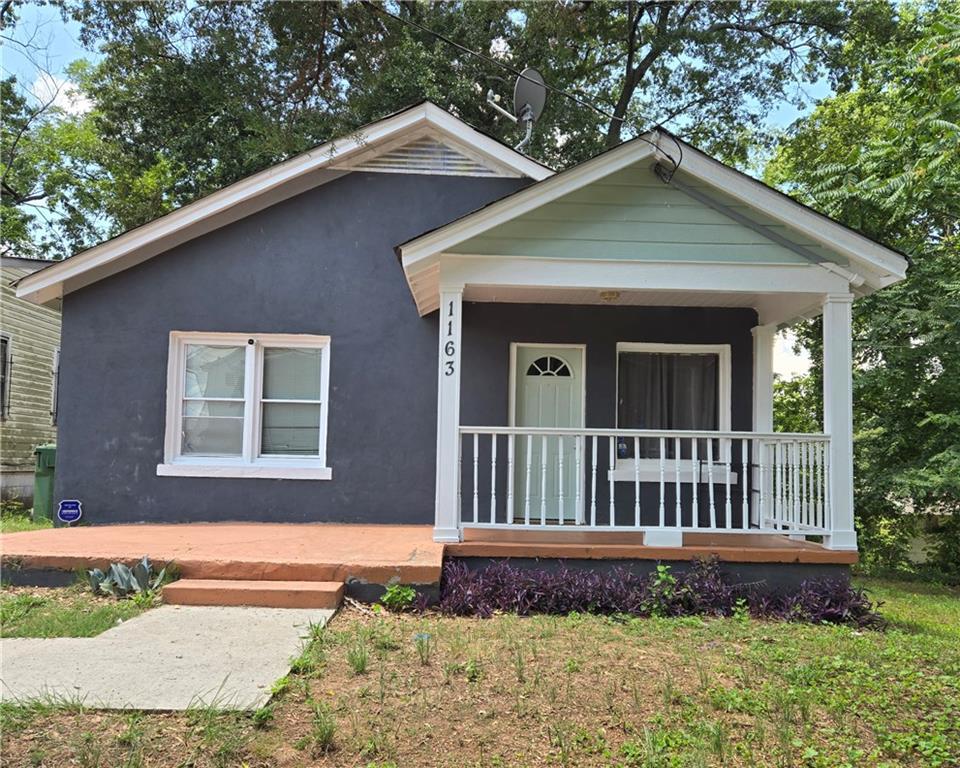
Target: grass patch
574 690
61 612
22 522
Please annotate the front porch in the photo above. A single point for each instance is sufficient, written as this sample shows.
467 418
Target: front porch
674 434
557 398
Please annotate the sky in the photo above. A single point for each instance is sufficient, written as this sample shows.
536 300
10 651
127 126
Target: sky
47 78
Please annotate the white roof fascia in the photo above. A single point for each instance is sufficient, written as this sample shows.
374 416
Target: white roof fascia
48 284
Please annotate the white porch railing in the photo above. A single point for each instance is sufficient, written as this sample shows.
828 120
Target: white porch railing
644 480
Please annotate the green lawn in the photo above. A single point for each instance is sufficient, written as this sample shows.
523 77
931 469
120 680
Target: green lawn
565 691
63 612
17 523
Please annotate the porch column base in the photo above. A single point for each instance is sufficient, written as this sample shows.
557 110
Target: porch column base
841 540
446 535
663 538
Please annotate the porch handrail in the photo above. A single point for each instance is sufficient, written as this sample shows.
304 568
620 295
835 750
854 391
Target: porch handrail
663 482
700 434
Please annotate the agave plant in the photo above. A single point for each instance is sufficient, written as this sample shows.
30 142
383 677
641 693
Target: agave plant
122 581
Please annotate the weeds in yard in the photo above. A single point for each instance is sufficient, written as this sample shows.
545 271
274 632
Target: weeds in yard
576 690
262 716
472 670
424 644
358 657
398 597
323 727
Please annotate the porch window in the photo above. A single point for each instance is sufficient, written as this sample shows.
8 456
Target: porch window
670 387
242 405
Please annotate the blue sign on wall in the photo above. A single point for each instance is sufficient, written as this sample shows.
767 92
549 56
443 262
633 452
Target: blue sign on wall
69 511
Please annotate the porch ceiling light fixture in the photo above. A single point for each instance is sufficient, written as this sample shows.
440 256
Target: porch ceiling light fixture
609 296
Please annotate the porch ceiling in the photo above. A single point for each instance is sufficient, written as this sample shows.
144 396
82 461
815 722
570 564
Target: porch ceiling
772 308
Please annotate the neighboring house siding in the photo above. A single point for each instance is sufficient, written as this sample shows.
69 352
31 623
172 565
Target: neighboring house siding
34 334
632 215
319 263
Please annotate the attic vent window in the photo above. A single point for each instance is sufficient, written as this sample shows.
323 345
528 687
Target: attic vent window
426 155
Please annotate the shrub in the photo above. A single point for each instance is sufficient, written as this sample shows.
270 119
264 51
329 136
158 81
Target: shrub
700 590
122 581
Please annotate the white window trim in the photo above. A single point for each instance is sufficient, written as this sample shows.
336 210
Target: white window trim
650 468
250 464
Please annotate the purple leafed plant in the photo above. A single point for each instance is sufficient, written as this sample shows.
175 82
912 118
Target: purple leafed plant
699 590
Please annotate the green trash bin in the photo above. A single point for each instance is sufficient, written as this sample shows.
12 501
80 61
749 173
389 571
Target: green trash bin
43 481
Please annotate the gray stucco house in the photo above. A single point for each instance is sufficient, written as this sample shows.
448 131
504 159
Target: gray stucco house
417 324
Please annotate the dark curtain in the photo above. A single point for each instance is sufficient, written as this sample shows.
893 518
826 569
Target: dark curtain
666 391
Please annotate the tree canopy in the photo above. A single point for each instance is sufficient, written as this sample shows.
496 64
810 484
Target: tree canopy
190 96
885 159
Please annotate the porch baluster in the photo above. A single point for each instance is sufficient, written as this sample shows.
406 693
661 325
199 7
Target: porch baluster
636 481
676 482
797 486
578 460
510 478
476 479
713 509
744 509
611 441
728 507
593 483
526 498
493 478
543 480
695 481
560 478
818 460
663 452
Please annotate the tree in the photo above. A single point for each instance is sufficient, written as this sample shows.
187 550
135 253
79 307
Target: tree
191 96
885 159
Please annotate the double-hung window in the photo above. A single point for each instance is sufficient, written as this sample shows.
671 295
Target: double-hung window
670 387
247 405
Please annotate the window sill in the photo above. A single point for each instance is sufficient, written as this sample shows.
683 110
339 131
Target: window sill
244 470
625 471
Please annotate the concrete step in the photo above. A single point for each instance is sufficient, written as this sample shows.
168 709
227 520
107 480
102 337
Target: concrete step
263 594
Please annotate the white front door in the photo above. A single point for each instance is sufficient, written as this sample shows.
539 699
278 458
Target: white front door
548 392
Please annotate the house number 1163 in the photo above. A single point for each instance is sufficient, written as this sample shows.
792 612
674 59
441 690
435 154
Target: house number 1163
450 347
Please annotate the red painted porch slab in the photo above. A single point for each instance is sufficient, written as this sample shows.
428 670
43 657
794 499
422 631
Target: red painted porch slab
628 545
263 594
376 554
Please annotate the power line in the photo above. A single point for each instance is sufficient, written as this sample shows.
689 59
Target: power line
490 60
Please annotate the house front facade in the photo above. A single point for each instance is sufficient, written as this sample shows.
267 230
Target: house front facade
417 324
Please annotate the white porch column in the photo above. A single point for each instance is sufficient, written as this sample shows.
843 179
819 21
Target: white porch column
838 415
763 339
446 511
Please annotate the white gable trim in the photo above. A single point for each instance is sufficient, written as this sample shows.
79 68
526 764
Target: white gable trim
876 265
120 252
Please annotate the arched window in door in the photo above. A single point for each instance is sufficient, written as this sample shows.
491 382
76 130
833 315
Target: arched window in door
548 365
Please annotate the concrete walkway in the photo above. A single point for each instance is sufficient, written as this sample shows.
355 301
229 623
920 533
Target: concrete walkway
169 658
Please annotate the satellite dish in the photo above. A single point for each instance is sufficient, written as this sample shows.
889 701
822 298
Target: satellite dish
529 95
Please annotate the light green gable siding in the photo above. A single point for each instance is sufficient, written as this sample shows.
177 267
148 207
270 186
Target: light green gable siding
632 215
34 334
